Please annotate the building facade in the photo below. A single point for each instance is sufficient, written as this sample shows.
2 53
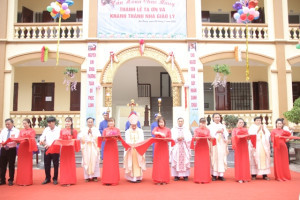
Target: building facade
33 89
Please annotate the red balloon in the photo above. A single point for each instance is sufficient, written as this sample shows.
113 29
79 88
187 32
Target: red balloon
243 17
250 17
54 11
251 5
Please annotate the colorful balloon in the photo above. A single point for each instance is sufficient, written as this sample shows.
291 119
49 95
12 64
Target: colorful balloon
49 8
250 17
64 6
69 2
240 11
256 14
236 16
243 17
246 10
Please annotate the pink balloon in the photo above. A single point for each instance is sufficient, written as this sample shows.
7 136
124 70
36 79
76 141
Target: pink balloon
252 11
246 10
239 21
256 14
67 11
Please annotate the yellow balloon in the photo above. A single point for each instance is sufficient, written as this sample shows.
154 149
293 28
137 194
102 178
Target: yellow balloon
52 14
256 7
62 11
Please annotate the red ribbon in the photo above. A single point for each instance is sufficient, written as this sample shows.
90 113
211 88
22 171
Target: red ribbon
43 54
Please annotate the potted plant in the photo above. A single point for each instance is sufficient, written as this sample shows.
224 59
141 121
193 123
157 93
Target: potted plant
293 116
221 74
70 78
44 123
230 121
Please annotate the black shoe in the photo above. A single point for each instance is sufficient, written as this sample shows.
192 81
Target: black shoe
265 177
10 183
214 178
253 177
186 178
221 178
55 182
2 183
45 182
176 178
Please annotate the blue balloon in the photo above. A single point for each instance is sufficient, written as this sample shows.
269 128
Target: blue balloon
69 2
56 16
255 18
240 11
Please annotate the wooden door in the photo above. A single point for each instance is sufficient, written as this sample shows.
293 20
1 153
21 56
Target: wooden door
75 98
296 90
165 84
47 17
16 92
42 97
260 96
222 95
27 15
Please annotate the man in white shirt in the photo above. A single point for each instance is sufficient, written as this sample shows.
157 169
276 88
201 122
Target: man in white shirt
8 152
48 136
219 151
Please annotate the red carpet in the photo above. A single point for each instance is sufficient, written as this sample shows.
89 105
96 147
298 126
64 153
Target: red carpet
229 189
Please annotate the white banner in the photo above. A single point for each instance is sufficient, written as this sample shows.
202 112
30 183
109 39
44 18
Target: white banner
193 84
142 18
91 81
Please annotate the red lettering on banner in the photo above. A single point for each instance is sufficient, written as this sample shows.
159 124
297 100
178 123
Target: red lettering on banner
91 54
192 55
92 62
194 105
90 97
91 90
91 75
193 76
193 82
192 61
91 83
193 68
194 90
90 105
193 97
91 69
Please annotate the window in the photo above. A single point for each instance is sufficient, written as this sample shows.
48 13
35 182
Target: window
240 96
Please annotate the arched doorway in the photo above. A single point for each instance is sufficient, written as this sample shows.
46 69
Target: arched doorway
152 58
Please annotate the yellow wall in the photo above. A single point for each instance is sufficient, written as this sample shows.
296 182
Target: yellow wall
24 76
41 5
294 7
225 5
238 74
295 74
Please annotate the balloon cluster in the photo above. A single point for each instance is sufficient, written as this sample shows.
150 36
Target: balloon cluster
60 8
247 11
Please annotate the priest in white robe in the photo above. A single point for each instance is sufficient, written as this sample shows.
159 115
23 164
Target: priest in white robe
180 153
260 156
219 151
90 151
134 163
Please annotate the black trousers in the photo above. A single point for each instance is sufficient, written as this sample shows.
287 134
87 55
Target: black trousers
7 157
47 162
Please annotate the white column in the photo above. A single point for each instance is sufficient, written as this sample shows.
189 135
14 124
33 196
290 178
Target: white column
85 18
198 13
269 15
8 91
273 91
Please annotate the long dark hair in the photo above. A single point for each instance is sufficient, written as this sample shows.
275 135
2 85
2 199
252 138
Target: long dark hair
28 121
163 119
70 119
